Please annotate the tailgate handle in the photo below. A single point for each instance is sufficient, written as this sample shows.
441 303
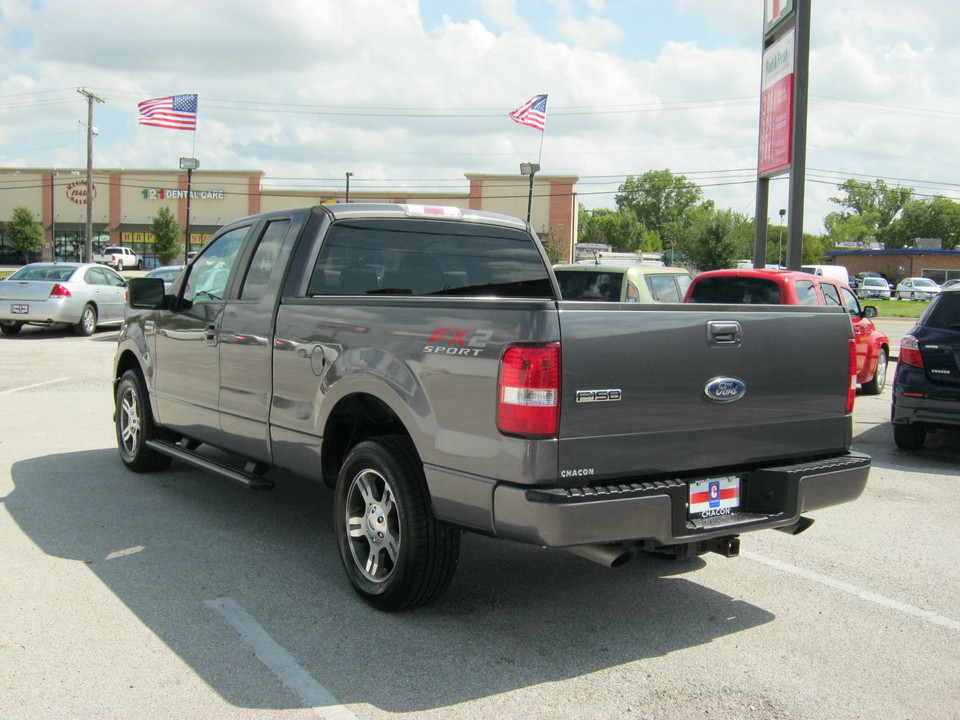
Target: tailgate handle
724 332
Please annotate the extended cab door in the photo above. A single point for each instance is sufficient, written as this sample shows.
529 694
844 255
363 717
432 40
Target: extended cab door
187 374
246 337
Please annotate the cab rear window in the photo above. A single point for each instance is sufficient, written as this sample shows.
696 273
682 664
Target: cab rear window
428 257
736 291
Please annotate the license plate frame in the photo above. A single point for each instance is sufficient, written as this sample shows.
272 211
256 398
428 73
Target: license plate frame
19 309
714 496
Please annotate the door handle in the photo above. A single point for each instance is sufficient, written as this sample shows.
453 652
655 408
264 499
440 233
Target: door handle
211 334
724 332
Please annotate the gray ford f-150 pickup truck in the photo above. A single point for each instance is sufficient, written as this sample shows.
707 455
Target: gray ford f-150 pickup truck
419 360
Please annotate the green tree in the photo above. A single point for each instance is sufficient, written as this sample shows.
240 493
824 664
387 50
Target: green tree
937 217
166 235
872 206
714 239
552 241
25 233
662 202
620 230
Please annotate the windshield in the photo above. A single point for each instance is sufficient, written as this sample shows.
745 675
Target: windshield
924 282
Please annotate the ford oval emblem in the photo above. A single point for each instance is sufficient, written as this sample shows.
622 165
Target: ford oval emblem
725 389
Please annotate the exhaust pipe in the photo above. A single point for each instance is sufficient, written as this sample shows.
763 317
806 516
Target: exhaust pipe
611 556
798 527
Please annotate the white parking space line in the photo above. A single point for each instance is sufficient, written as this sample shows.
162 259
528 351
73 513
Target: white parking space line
280 662
873 597
27 387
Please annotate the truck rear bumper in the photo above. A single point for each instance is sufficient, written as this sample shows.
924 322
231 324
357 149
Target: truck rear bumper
657 511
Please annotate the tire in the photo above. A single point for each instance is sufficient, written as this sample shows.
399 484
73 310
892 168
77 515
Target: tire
879 380
10 328
909 437
134 423
88 321
395 553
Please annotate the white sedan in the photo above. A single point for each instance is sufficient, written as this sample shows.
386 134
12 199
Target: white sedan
917 288
84 295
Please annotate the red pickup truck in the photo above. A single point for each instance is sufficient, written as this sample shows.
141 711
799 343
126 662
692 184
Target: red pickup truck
787 287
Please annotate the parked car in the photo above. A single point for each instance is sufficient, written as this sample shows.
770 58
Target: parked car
119 258
950 284
85 295
926 384
916 288
168 273
787 287
873 287
622 283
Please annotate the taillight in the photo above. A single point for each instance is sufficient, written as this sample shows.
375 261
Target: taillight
528 391
910 351
59 291
852 389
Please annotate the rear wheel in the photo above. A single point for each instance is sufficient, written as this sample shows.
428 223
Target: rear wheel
876 385
909 437
88 321
135 426
11 328
395 553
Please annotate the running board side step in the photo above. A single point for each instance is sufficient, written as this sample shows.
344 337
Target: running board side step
252 476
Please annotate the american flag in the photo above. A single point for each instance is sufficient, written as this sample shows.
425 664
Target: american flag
177 112
532 113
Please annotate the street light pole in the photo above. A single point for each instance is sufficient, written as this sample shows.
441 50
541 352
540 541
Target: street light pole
347 198
188 164
88 242
531 170
53 213
780 244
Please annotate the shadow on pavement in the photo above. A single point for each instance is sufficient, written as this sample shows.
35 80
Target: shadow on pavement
516 616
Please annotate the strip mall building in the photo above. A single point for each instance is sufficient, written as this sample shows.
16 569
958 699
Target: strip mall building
124 203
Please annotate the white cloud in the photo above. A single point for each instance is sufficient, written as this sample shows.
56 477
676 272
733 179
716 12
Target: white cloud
310 88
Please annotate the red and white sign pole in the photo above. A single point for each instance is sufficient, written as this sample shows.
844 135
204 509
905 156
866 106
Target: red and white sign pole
782 143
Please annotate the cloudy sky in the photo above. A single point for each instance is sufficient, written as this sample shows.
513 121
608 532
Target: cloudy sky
413 94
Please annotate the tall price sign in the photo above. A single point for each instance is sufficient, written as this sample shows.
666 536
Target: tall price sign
776 106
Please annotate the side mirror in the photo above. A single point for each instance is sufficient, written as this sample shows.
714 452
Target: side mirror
145 293
869 311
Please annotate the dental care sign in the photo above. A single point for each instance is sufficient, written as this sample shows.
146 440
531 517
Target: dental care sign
776 106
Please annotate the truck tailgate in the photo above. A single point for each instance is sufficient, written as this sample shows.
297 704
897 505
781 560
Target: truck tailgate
636 391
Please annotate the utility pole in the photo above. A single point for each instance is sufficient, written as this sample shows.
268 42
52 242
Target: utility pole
88 242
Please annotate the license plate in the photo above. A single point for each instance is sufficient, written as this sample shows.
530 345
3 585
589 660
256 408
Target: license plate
19 309
712 497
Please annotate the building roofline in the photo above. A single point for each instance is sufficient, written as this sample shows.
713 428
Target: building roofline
896 251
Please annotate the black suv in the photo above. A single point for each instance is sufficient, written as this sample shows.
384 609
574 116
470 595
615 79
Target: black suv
926 386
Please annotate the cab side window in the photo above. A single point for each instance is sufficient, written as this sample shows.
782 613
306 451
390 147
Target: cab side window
806 293
264 260
850 302
831 295
211 271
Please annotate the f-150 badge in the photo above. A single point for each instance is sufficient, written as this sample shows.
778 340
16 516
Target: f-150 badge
725 389
592 396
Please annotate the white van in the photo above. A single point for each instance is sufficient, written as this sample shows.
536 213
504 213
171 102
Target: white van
837 272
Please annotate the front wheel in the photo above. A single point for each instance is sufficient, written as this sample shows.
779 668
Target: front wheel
876 385
88 321
395 553
909 437
135 426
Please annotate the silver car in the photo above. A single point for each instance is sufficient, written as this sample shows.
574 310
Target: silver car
917 288
168 273
84 295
